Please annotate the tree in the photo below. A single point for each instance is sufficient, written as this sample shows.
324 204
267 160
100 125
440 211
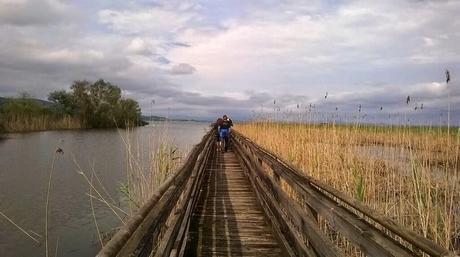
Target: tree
80 93
64 102
128 113
104 98
98 104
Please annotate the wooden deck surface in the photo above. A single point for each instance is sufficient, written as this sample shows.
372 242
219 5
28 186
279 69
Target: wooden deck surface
228 220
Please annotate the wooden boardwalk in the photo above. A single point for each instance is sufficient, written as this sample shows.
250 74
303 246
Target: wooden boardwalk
251 202
228 220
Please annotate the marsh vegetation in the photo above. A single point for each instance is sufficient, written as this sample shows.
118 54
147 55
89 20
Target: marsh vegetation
410 174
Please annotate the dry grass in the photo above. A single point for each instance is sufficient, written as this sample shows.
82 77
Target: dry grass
147 170
24 123
410 174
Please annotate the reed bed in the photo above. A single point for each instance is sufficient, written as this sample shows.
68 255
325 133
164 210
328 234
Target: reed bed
24 123
147 170
410 174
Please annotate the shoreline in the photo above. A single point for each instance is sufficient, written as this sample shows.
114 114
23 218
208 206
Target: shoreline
84 129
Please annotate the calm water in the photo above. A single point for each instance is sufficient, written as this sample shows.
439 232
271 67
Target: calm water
25 162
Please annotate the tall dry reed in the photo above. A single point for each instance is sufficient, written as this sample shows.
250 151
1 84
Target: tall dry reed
410 174
149 162
24 123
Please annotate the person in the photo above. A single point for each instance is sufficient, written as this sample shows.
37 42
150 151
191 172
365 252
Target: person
217 126
224 131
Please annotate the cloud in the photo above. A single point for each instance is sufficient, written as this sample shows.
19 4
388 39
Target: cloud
433 95
163 60
182 69
139 47
179 44
362 52
156 21
31 12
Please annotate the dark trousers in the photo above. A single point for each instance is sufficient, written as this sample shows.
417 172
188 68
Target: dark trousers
227 141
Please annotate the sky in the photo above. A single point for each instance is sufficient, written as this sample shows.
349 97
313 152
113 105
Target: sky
203 58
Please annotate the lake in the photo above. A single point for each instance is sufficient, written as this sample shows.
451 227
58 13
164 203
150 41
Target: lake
25 164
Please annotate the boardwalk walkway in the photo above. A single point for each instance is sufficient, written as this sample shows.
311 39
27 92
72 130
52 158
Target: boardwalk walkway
251 202
228 220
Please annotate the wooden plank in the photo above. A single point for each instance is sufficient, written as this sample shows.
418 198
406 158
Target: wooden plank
228 220
176 231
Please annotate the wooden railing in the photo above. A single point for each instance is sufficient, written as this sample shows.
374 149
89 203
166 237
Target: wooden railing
301 208
160 227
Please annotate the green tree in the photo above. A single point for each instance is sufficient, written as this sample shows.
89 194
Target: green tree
64 102
128 113
98 104
82 100
105 98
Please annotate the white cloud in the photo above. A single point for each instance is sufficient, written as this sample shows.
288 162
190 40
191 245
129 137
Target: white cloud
140 47
293 49
288 50
69 56
182 69
154 22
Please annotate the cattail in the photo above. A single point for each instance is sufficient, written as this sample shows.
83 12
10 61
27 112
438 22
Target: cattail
421 106
325 97
408 100
381 107
359 108
447 76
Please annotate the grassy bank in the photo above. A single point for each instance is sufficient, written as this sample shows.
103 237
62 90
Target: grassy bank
410 174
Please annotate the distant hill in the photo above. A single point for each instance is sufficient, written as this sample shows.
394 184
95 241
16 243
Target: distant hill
44 103
161 118
153 118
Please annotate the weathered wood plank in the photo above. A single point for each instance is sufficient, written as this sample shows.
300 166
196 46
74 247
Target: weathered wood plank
173 240
228 220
